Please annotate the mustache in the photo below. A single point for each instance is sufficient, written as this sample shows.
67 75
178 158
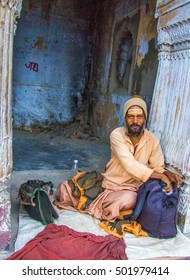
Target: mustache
135 124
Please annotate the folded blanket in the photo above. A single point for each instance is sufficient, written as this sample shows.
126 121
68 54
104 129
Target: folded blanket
119 228
63 243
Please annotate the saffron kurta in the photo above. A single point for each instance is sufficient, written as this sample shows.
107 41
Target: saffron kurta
128 167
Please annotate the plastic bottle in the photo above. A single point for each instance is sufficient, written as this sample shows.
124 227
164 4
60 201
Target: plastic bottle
74 168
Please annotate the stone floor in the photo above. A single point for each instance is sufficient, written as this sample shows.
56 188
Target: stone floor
53 151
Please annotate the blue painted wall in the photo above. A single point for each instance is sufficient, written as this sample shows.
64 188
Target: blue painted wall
52 49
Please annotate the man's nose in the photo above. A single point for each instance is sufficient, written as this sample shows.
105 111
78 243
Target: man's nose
135 119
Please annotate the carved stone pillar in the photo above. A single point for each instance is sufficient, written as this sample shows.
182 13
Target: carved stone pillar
170 110
9 11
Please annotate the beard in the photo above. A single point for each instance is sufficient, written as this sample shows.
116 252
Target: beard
135 129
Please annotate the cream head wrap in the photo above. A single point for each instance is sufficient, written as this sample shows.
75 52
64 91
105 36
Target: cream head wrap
135 101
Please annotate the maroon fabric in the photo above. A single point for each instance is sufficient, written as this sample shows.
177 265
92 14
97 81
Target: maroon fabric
63 243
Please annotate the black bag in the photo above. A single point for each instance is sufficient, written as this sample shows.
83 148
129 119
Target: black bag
156 210
35 195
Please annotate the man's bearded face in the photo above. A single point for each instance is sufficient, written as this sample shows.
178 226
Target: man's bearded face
135 120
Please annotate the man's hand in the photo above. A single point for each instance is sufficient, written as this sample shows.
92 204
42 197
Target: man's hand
167 181
167 177
173 177
163 178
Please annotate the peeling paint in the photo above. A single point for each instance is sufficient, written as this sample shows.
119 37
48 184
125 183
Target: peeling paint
164 20
168 7
2 24
147 30
119 101
143 47
178 106
39 44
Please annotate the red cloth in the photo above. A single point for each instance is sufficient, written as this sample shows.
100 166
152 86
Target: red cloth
63 243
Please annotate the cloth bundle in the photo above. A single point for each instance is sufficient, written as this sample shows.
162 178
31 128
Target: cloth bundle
63 243
35 195
86 186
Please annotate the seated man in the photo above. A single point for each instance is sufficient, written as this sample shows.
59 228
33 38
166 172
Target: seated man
136 156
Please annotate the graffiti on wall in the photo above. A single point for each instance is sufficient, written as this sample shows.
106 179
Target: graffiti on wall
32 66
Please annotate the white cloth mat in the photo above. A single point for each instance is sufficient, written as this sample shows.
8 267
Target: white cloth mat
137 247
